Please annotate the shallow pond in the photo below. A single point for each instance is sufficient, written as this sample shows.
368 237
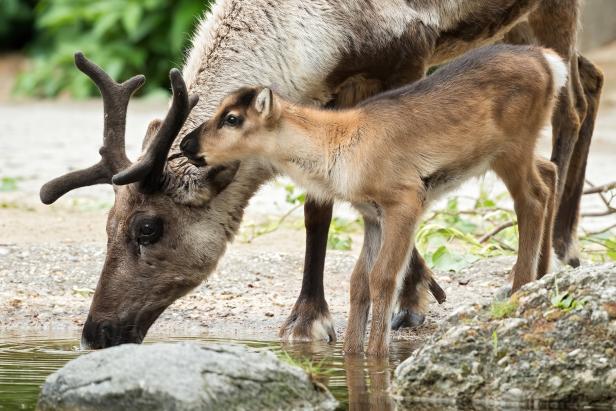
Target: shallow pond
358 383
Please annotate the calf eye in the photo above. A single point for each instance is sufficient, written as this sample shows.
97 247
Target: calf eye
232 120
148 230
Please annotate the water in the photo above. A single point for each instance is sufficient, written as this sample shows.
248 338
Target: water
357 382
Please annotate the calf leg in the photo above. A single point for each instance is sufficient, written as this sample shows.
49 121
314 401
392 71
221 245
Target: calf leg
419 278
569 207
389 268
310 318
360 292
530 195
547 171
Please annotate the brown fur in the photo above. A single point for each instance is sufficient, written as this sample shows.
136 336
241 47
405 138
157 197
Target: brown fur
394 153
376 53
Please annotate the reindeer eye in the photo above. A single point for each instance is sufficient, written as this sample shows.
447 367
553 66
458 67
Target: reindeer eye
232 120
148 230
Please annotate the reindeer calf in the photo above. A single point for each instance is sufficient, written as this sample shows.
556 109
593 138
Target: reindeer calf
398 151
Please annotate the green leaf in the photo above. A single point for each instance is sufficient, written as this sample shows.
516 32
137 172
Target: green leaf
8 184
131 18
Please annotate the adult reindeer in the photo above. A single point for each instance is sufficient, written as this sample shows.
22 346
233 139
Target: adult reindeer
165 240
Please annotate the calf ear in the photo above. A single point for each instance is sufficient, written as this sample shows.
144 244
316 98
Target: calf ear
263 102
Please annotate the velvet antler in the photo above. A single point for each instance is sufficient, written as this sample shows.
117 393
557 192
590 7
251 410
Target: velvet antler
148 170
113 155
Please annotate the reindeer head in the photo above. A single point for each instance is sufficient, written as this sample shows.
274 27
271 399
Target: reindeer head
157 249
227 135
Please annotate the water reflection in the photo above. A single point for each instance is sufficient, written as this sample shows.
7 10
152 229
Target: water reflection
357 382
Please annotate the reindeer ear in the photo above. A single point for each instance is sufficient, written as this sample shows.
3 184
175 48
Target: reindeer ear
264 102
153 128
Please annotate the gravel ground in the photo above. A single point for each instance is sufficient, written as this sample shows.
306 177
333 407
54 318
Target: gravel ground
48 286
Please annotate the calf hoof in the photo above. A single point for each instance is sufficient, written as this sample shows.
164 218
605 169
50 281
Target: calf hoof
567 252
306 323
405 318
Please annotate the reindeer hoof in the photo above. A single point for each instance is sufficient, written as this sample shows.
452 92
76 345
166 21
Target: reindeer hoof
306 325
405 318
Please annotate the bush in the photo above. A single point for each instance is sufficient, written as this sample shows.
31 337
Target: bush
125 37
16 23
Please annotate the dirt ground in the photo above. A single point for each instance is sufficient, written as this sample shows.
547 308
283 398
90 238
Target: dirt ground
50 257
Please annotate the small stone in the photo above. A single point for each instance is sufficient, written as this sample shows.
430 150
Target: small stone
555 382
610 308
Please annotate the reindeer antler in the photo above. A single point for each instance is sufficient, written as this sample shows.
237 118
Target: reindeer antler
113 155
114 166
149 168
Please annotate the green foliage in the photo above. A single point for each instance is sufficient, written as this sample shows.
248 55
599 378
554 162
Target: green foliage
339 236
600 247
125 37
565 301
503 309
293 195
8 184
449 238
16 23
495 343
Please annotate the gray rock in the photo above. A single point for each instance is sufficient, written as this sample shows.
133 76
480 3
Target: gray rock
184 376
533 352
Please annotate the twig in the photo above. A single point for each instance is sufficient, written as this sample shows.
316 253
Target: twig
607 212
497 230
603 230
276 226
599 189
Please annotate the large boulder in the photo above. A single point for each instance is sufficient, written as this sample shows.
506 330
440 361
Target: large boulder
184 376
552 343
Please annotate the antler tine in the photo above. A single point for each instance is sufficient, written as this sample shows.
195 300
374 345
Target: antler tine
150 167
113 155
115 101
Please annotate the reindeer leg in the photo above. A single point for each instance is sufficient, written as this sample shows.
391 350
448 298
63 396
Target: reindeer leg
554 24
310 318
569 207
413 300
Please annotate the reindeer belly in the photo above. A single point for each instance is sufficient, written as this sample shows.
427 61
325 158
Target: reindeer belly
444 180
478 24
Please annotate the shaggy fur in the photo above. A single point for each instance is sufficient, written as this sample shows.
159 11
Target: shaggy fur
317 52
